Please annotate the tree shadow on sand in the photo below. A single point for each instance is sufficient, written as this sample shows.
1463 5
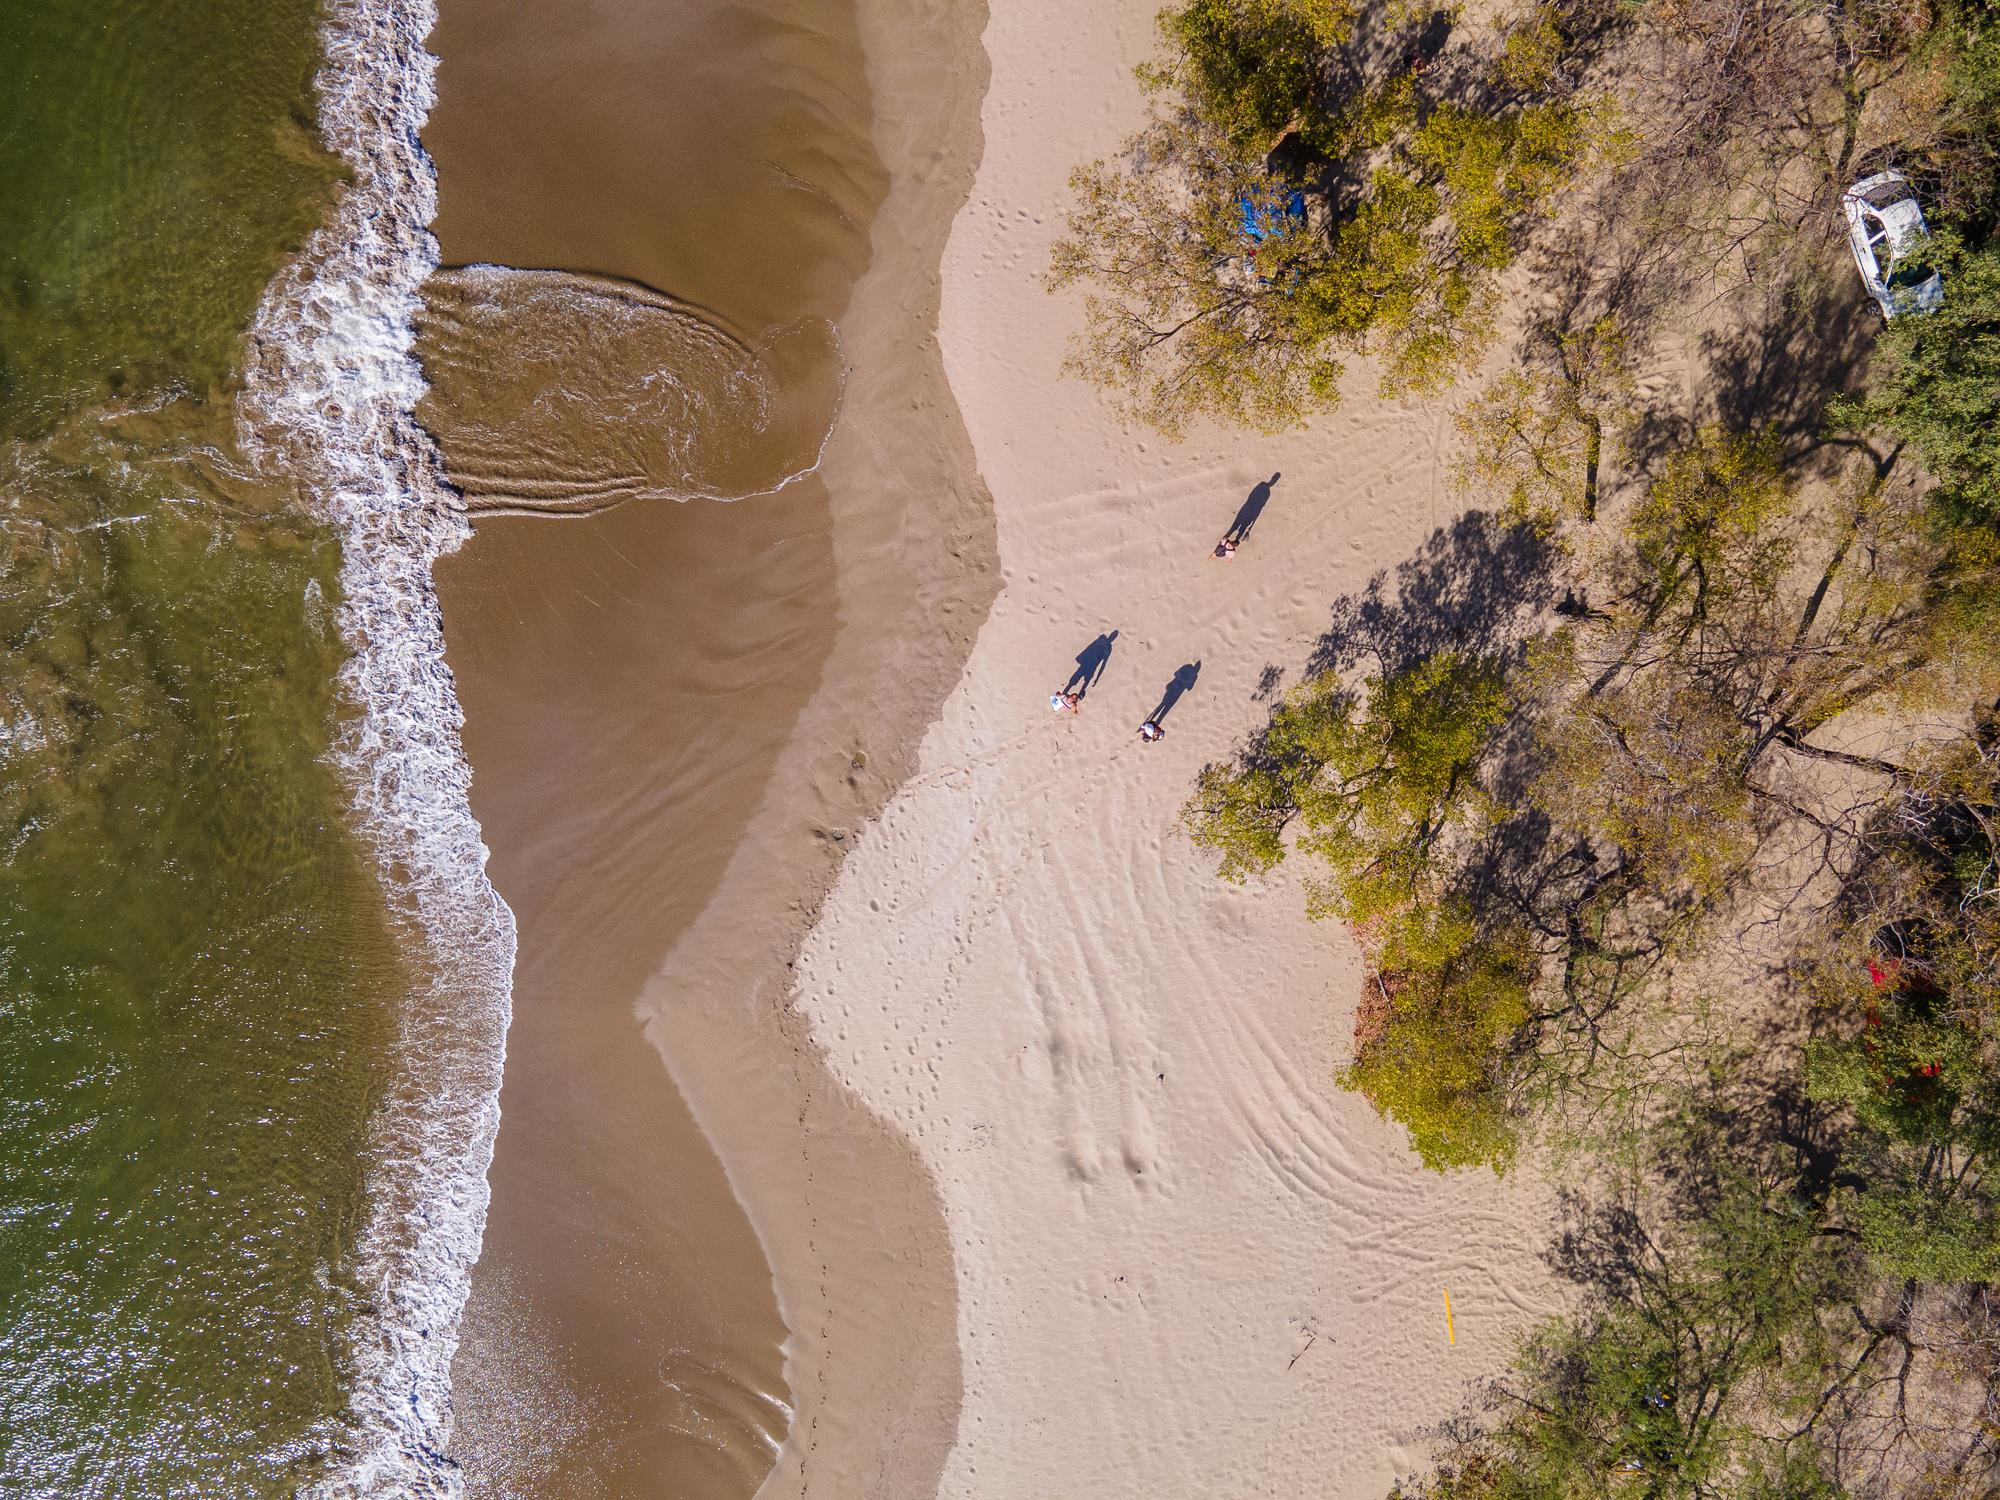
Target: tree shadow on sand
1777 370
1468 588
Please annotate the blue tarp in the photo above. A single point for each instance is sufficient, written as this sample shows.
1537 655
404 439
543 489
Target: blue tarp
1264 218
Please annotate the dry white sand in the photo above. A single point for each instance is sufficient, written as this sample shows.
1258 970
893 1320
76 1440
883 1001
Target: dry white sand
1187 1264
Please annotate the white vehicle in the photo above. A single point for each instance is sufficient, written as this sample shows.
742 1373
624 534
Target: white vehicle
1883 220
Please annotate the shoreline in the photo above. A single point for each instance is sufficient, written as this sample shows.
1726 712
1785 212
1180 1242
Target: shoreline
328 397
845 1210
629 675
843 582
1034 1122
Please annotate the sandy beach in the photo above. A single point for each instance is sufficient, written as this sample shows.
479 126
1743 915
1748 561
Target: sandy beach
1182 1262
1186 1264
657 852
628 677
986 1145
678 710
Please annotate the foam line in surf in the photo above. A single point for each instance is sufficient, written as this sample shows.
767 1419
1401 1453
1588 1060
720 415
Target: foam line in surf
329 401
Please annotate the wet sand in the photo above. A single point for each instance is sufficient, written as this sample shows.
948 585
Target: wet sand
616 752
842 1202
675 712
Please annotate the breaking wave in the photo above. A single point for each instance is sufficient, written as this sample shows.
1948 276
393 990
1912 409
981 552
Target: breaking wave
329 399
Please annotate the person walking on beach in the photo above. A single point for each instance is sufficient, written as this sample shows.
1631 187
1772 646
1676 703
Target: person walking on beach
1091 662
1246 517
1156 720
1066 702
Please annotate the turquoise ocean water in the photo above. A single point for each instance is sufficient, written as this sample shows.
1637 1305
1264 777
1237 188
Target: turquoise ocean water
199 976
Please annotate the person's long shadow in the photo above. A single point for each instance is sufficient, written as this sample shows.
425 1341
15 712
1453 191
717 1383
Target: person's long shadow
1182 681
1090 663
1253 507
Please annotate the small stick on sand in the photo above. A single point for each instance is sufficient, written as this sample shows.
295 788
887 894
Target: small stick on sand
1302 1353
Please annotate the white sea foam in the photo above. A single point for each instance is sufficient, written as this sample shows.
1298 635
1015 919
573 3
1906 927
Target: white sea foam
328 401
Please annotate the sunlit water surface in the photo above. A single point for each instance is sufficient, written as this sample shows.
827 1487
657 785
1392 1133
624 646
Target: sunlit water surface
195 957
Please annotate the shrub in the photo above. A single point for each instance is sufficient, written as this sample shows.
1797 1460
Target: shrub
1408 208
1942 390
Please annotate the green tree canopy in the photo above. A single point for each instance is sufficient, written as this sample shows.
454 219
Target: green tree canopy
1286 208
1536 434
1909 1050
1380 783
1375 780
1434 1044
1693 1371
1941 393
1257 67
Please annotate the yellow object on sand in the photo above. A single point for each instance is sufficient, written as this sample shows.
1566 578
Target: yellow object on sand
1450 1328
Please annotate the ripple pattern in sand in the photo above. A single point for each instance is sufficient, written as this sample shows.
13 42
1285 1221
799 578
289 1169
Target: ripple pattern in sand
553 392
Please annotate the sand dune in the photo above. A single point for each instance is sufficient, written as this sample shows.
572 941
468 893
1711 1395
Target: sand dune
1186 1263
